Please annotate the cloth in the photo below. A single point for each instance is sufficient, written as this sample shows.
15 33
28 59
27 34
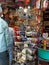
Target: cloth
6 18
16 33
8 22
27 2
20 3
11 32
22 33
4 36
22 27
4 58
0 9
45 4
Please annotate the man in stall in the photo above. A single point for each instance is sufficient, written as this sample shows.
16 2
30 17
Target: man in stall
4 40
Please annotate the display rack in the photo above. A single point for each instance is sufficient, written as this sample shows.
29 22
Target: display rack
29 39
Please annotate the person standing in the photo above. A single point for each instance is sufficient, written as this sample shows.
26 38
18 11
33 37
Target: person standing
4 40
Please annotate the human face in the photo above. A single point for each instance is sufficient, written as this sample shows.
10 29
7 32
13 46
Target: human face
5 10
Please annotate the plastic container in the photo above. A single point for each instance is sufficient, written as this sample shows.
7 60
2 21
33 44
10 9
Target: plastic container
44 54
